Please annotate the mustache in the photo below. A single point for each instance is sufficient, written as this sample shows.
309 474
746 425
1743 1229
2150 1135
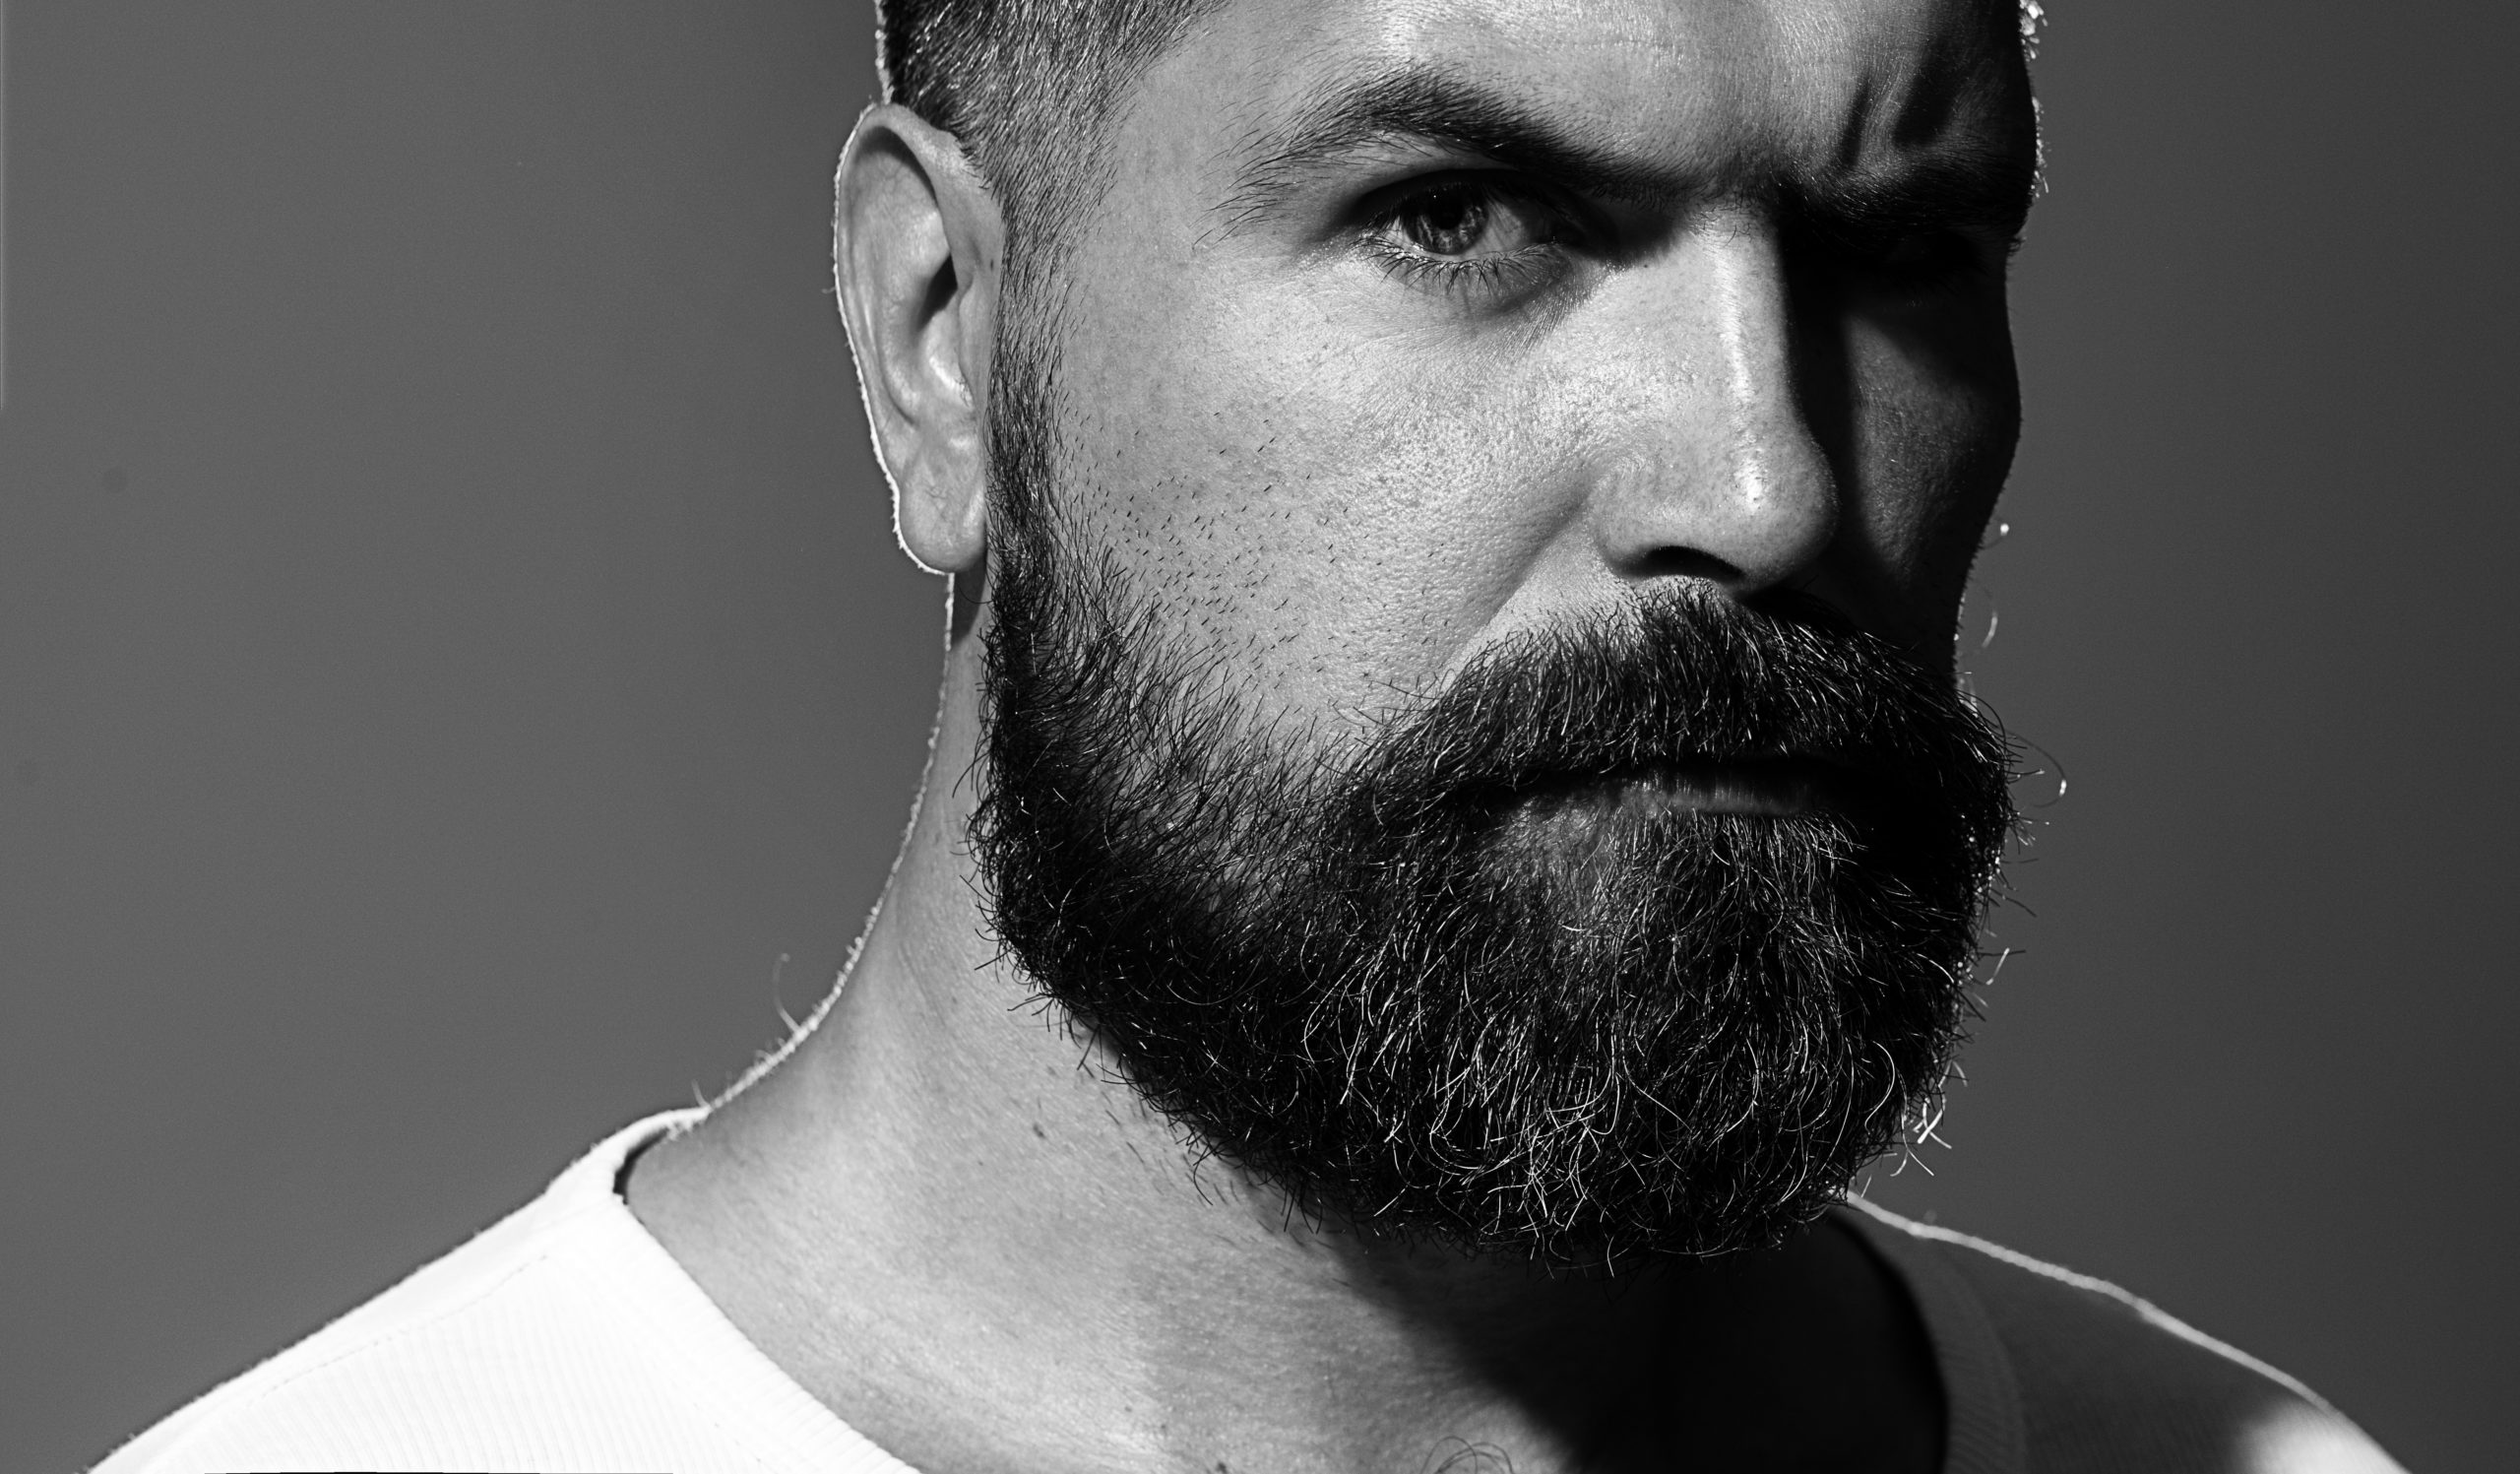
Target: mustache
1325 946
1685 676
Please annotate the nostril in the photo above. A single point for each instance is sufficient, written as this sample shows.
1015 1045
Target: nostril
1683 563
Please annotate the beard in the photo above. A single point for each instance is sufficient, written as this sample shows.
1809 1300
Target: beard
1477 972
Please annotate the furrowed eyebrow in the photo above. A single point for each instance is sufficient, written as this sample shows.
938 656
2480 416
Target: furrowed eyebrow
1416 103
1982 189
1975 188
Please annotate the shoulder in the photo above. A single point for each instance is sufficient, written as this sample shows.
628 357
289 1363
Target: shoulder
2099 1379
516 1351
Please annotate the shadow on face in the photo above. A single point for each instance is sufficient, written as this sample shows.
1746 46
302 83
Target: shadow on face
1401 327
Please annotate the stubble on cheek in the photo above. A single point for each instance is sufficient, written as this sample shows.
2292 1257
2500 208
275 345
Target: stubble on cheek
1928 445
1340 516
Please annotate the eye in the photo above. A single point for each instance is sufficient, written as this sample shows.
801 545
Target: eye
1457 220
1927 256
1912 263
1468 231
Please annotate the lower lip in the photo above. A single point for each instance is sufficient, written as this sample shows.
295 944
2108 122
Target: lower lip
1776 789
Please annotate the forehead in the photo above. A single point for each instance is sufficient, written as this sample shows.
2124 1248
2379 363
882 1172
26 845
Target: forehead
1723 87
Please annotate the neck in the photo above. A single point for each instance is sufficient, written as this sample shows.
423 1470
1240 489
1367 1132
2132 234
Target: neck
945 1214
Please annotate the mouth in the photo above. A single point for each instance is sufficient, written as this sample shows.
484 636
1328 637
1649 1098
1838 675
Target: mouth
1766 787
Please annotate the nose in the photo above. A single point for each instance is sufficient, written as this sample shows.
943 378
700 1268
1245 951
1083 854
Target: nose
1714 472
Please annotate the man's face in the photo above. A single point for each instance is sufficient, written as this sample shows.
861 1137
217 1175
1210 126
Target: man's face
1478 532
1403 326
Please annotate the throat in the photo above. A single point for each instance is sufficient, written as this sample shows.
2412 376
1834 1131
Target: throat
1809 1356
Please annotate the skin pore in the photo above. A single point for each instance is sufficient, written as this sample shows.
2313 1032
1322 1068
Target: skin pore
1400 327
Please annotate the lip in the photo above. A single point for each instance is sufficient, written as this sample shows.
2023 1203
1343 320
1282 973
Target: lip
1777 788
1769 787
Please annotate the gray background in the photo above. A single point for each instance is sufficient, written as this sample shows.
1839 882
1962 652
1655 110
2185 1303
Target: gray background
457 681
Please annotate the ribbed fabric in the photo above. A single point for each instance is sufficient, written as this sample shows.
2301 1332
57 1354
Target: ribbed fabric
2049 1371
566 1340
1982 1431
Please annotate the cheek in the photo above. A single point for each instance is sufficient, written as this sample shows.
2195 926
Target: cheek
1300 502
1932 437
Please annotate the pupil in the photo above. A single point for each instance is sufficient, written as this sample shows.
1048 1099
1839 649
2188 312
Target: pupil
1447 223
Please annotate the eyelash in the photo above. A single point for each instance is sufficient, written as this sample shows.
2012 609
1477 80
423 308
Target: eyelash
1954 262
1534 265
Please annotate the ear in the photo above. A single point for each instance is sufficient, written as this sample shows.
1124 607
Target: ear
918 244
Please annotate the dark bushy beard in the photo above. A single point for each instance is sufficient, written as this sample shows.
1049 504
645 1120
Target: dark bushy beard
1462 975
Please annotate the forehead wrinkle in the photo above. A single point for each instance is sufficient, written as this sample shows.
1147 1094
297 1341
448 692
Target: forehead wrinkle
1961 79
1920 116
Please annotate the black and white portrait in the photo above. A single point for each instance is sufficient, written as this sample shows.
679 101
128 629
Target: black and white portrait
1254 737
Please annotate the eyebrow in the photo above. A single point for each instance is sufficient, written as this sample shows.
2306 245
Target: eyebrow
1415 103
1986 188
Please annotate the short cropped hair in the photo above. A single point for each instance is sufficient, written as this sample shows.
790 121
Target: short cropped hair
1029 88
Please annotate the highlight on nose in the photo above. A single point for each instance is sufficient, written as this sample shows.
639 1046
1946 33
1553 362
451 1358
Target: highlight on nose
1723 479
